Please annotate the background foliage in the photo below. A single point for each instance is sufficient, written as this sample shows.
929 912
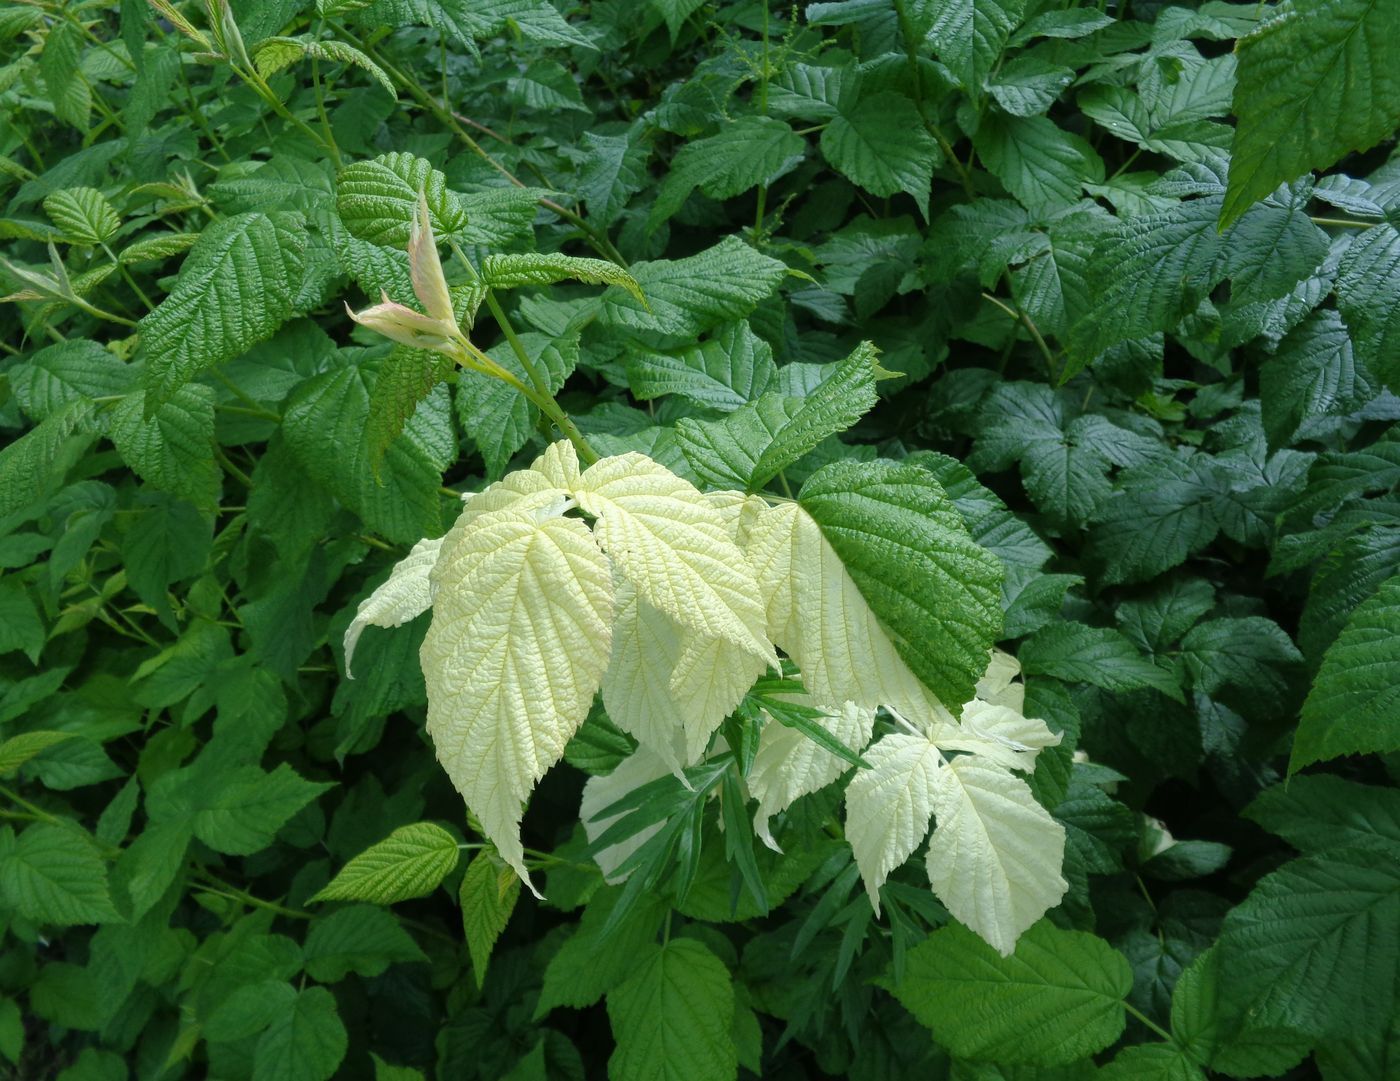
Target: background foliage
1145 349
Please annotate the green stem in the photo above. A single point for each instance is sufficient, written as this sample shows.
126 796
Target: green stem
225 889
1148 1022
231 468
1344 223
255 407
259 86
38 812
517 346
1125 166
91 309
1014 311
321 107
126 277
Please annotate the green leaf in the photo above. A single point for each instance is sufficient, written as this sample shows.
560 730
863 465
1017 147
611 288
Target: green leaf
1145 274
54 874
276 53
377 199
239 283
1316 946
305 1042
590 964
547 86
404 379
235 811
969 35
881 144
544 268
905 546
17 750
613 171
496 415
1098 656
158 247
60 65
1273 246
32 465
752 445
1058 998
1314 373
1371 1055
724 372
1028 85
1354 705
83 214
11 1030
1368 296
1317 812
1227 1043
752 150
1039 163
21 627
1301 99
672 1018
411 862
173 448
1245 652
358 938
487 897
1151 1062
688 296
67 372
325 424
500 217
1165 512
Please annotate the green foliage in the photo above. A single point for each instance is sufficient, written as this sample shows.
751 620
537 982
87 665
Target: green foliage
903 329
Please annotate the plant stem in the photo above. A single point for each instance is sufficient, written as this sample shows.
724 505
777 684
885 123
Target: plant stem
225 889
517 346
1344 223
1015 312
1148 1022
38 812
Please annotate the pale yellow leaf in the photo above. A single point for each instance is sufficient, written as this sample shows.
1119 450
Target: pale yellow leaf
997 684
639 768
671 544
816 614
889 805
995 856
710 679
520 637
999 733
668 687
404 596
789 765
637 684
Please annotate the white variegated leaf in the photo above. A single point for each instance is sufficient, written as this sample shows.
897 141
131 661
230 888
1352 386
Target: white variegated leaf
664 537
994 859
404 596
639 768
520 637
789 765
889 805
817 615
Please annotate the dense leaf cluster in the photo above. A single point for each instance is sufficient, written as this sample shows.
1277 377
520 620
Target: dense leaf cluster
1133 275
